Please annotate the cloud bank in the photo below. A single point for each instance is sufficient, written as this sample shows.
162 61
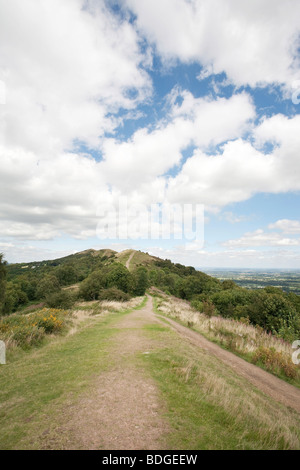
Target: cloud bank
77 74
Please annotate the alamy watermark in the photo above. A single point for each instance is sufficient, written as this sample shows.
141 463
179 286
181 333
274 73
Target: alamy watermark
165 221
2 353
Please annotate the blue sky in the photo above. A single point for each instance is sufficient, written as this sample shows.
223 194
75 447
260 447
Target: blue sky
167 102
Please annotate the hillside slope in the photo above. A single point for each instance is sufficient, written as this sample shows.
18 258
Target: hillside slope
260 325
128 381
133 258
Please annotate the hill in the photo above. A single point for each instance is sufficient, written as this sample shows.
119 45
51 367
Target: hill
108 275
16 269
124 370
132 259
121 377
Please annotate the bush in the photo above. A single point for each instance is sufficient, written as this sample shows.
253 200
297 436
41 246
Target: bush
91 287
140 279
50 323
14 298
46 286
28 330
119 277
275 361
27 335
209 309
290 328
113 294
270 311
197 305
61 299
229 301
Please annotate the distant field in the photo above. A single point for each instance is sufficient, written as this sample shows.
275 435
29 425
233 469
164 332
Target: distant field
289 281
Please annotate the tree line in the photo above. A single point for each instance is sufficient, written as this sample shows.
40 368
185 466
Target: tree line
101 278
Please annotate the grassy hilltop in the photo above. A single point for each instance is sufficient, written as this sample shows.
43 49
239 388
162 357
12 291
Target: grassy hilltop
66 322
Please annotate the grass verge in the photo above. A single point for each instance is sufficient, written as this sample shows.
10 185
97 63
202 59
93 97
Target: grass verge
250 343
209 406
39 382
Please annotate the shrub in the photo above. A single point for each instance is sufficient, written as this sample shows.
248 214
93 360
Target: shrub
140 280
61 299
113 294
244 320
50 323
119 277
270 310
275 361
197 305
66 274
92 285
46 286
14 298
27 335
209 309
290 328
227 301
28 330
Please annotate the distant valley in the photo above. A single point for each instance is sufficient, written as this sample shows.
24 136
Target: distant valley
287 280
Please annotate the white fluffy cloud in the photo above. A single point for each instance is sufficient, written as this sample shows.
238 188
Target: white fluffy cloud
40 199
65 68
68 68
287 226
283 237
43 197
231 257
24 252
261 238
217 180
73 71
254 42
241 170
199 122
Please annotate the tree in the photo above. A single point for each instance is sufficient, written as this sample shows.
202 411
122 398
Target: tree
119 277
227 300
270 311
92 285
112 293
47 285
66 274
61 299
140 277
228 284
153 277
28 285
14 297
2 281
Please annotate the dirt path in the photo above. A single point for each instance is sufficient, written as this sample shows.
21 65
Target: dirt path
267 383
123 409
129 259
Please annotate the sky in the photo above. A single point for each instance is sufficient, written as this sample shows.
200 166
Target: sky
112 110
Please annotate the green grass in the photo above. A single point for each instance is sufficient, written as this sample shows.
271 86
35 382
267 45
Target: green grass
38 383
124 257
139 258
209 406
227 342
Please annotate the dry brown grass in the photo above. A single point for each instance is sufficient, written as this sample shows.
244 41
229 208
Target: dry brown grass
96 308
272 432
235 335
